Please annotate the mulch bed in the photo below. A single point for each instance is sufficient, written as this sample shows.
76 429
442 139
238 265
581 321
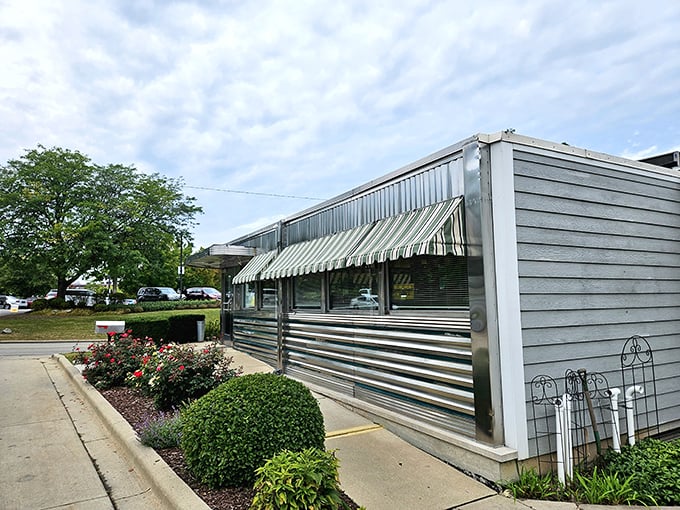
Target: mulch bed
137 408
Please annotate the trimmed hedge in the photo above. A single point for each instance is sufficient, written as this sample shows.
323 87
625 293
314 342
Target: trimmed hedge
233 430
174 329
182 328
156 329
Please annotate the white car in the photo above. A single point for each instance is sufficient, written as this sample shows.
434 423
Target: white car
8 302
365 301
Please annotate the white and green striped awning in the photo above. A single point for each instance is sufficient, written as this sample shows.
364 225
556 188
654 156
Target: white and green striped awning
251 271
433 230
323 254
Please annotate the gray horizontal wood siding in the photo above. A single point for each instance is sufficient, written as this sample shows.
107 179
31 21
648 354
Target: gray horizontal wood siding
599 261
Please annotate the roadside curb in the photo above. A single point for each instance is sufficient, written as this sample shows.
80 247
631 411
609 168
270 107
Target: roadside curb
170 489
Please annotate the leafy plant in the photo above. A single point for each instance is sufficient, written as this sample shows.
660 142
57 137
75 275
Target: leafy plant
163 431
656 466
604 488
298 480
235 428
175 374
532 485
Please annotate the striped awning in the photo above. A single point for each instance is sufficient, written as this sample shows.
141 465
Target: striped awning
433 230
323 254
251 271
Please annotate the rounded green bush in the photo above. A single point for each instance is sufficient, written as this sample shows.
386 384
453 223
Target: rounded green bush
230 432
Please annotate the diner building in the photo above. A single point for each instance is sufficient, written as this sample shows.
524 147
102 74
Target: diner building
429 299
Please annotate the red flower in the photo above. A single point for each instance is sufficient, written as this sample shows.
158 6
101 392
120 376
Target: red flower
113 360
181 367
138 373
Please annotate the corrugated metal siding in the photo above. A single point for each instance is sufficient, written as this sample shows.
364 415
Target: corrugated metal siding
440 182
599 261
256 334
420 368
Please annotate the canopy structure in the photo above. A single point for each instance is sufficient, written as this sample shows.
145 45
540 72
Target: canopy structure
221 256
252 269
322 254
433 230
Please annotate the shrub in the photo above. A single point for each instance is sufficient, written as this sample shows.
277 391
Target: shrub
163 431
306 479
235 428
212 329
108 363
58 303
40 304
175 374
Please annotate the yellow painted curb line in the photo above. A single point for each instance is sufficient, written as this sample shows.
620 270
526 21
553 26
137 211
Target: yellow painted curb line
353 431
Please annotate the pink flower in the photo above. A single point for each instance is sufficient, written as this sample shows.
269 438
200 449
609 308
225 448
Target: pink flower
158 368
181 367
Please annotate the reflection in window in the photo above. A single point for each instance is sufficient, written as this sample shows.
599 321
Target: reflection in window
353 289
268 296
429 282
248 295
307 291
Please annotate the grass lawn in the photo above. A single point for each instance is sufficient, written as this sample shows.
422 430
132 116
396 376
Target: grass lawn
75 325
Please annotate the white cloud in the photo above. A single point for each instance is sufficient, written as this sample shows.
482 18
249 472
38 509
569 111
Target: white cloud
314 98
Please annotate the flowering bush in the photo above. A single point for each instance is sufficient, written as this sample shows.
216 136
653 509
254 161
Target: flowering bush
108 364
174 374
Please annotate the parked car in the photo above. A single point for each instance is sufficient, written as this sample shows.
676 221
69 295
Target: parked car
203 293
364 301
7 301
157 294
76 296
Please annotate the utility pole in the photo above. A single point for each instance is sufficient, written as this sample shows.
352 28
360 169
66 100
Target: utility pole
180 269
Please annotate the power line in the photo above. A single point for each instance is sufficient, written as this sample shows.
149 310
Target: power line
253 193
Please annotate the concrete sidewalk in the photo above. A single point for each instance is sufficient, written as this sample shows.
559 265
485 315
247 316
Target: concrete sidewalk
54 451
63 446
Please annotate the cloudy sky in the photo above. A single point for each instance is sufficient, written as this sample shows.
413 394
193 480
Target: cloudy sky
309 99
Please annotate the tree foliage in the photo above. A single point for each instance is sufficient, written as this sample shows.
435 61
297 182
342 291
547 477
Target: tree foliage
65 217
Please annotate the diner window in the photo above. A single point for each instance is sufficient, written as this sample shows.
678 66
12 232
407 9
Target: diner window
307 291
268 294
428 282
354 288
248 296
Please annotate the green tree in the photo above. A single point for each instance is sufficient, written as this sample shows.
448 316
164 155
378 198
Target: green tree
65 217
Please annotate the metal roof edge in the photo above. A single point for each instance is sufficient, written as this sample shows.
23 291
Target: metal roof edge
564 148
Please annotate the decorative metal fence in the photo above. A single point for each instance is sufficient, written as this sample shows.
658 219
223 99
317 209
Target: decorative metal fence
577 417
